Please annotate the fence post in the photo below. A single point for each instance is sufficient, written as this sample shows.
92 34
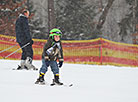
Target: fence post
101 57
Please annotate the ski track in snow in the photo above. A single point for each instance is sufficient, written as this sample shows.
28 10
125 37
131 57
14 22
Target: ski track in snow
91 83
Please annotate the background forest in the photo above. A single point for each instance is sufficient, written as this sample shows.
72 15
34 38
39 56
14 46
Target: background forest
116 20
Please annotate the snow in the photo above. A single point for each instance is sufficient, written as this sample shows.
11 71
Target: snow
91 83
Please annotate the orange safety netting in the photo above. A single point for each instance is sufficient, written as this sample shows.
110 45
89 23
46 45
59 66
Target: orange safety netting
96 51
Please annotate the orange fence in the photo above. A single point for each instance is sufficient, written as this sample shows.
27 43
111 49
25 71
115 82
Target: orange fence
96 51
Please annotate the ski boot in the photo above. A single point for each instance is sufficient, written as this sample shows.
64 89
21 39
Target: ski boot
56 80
20 67
40 80
28 64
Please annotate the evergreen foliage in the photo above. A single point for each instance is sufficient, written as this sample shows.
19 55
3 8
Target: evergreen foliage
36 30
75 18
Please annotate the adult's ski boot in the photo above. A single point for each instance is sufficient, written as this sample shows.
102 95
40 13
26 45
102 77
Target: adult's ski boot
22 65
21 68
29 65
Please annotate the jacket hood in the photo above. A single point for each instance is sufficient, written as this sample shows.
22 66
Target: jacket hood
21 15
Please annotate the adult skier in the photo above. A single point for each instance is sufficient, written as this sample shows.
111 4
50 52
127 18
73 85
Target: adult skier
25 41
52 52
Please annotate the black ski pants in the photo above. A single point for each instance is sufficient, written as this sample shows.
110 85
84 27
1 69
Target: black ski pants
27 51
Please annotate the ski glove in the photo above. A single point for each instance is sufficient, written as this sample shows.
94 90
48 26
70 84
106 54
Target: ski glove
60 64
31 42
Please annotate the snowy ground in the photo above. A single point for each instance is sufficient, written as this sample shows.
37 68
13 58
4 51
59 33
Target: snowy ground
91 83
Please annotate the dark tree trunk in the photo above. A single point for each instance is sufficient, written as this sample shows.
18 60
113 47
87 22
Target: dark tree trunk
102 19
51 15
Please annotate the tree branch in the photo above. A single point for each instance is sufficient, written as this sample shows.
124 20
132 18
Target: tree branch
102 18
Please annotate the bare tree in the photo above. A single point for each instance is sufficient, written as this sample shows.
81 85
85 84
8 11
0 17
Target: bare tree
103 16
135 33
101 5
51 15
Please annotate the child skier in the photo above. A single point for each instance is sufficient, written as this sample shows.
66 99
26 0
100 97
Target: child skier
51 53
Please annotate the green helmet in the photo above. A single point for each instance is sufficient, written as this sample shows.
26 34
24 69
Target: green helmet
55 31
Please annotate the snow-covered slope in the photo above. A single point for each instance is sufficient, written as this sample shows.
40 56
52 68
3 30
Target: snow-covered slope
91 83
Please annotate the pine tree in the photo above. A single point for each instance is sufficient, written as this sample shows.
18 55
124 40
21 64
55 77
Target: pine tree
75 18
36 30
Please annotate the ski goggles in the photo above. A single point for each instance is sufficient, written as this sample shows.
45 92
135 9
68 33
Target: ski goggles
56 33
